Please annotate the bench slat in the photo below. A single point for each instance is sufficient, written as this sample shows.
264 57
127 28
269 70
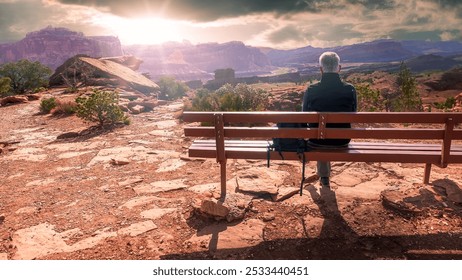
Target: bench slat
363 155
335 133
197 144
358 117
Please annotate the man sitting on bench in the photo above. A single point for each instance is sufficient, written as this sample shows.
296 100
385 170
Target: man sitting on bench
331 94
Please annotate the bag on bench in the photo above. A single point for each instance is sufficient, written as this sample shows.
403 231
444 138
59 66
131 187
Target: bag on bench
298 145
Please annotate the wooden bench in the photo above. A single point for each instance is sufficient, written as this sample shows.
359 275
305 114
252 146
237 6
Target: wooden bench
420 137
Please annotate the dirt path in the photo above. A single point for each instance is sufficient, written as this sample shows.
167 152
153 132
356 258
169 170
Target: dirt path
130 193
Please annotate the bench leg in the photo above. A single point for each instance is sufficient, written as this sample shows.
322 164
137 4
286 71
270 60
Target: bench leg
428 168
223 179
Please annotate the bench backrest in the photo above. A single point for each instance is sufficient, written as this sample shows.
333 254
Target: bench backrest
369 125
365 125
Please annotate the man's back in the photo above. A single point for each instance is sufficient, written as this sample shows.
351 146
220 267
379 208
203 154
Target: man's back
330 95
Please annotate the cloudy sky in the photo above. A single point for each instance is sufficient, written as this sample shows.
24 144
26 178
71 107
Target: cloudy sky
271 23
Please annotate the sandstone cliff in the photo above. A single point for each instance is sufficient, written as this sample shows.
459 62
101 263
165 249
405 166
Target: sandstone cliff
53 46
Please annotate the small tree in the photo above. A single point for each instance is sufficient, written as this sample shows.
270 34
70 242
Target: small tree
101 107
171 89
408 98
25 75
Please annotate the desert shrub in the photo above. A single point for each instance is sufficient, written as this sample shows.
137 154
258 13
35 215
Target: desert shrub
171 89
47 104
241 97
446 105
369 99
101 107
25 75
65 108
39 89
4 86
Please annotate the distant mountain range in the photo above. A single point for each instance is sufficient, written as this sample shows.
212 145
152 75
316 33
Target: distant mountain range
186 61
189 62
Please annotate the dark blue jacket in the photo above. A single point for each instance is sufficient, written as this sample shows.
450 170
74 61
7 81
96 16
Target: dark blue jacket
331 94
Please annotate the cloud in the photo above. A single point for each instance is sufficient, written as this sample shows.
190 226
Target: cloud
285 34
17 18
210 10
275 23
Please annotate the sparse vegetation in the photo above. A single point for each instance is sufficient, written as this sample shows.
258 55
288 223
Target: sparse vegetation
171 89
64 108
369 99
4 86
407 98
447 105
25 75
47 104
101 107
242 97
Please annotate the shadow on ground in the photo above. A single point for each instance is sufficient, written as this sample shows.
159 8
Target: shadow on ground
337 241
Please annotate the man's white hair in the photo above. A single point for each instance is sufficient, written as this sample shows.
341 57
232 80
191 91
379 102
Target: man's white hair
329 61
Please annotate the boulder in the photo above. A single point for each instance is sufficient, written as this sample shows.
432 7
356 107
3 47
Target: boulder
92 71
32 97
13 100
458 105
232 208
137 109
453 190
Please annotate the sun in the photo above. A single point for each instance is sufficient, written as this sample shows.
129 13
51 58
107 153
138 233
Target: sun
151 30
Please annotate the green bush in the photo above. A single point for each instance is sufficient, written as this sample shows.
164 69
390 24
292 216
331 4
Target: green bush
47 104
242 97
4 86
101 107
25 75
447 105
369 100
171 89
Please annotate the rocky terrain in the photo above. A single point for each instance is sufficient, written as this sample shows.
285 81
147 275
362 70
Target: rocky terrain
132 192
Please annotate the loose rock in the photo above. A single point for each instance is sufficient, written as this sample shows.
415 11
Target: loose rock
453 191
233 208
119 161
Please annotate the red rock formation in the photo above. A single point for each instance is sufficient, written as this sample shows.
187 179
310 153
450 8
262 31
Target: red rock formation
91 71
458 106
52 46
